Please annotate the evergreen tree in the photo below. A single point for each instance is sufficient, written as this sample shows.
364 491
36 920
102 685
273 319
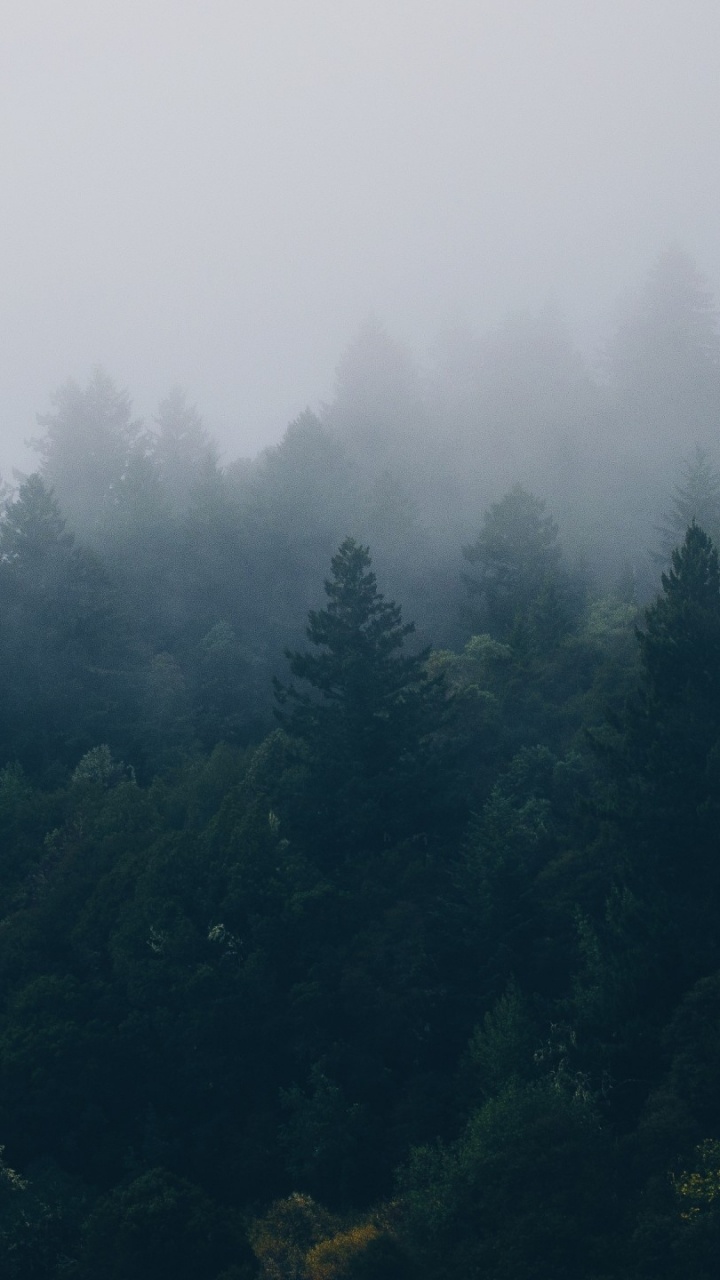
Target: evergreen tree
696 498
90 442
680 646
664 359
368 724
517 581
186 456
59 640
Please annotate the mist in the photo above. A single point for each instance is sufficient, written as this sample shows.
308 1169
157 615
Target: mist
359 640
219 196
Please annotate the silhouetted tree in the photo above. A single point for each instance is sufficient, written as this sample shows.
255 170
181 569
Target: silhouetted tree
368 723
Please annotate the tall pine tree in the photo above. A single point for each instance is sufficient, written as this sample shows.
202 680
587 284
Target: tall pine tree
370 718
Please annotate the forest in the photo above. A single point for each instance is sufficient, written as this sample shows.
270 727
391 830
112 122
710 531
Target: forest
359 811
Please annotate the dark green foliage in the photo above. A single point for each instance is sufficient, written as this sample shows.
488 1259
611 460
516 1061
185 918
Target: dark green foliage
368 726
457 917
522 592
516 553
525 1192
673 731
157 1225
59 639
680 644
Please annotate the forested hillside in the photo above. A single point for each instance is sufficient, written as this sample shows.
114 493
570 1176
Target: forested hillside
359 814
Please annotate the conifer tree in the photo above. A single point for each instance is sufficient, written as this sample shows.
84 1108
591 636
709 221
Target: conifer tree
680 646
60 636
91 441
672 733
695 498
368 723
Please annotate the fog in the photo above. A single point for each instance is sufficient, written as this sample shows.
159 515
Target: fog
219 195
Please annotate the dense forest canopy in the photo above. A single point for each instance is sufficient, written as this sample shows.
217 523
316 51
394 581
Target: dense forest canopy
358 822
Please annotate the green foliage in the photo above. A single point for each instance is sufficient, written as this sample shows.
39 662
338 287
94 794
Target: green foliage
242 971
368 725
502 1046
59 643
156 1225
283 1237
680 644
525 1192
517 559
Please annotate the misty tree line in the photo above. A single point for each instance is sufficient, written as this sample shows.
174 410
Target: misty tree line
334 946
186 580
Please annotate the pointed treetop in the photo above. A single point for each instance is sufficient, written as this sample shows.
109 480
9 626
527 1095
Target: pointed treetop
696 498
32 524
680 646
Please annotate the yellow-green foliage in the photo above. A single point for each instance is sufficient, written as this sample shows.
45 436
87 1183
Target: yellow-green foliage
698 1189
299 1240
338 1257
282 1238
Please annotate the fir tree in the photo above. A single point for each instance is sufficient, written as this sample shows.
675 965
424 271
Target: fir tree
368 723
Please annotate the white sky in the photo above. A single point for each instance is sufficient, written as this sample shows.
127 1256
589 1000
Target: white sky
218 192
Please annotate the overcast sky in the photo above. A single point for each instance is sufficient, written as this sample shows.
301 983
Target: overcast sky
219 192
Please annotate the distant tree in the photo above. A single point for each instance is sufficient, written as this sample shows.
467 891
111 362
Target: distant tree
680 643
517 577
664 359
695 498
90 443
378 407
186 456
33 532
305 488
60 640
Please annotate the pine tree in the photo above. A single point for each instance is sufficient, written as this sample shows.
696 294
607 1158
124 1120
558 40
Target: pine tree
60 636
696 498
680 646
670 759
185 454
517 578
369 722
664 360
90 444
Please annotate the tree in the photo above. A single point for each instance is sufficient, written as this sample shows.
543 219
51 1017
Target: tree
525 1192
183 450
696 498
664 807
517 579
680 646
378 406
664 359
60 638
368 724
33 533
91 440
157 1225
